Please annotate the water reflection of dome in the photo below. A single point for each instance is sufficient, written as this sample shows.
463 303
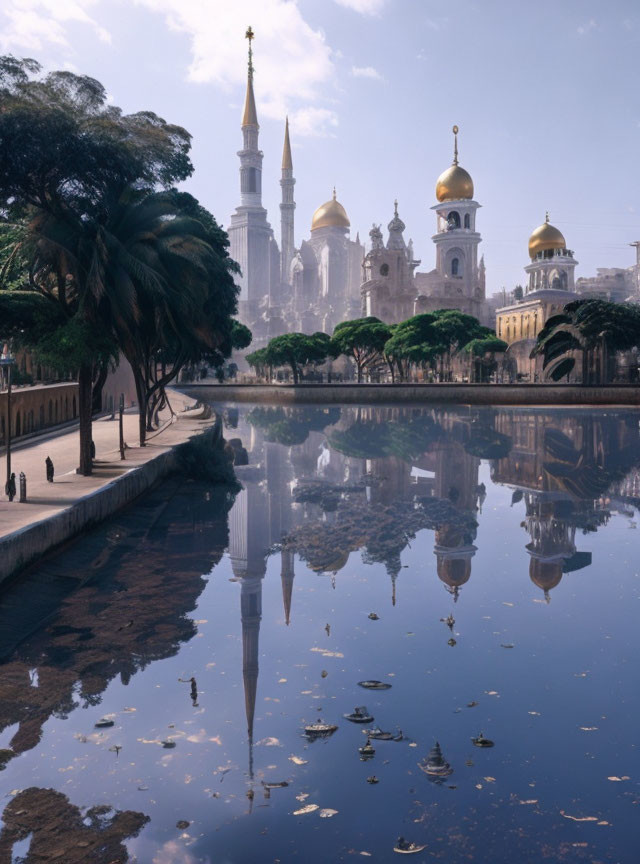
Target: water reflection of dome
454 565
331 565
546 573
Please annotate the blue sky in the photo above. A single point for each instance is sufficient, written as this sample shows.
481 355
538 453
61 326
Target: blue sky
546 95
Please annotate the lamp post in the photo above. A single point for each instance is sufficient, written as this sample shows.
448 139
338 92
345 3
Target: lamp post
8 361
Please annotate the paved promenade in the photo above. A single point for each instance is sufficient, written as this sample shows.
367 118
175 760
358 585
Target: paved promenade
47 499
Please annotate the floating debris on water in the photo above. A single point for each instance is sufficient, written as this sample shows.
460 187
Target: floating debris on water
359 715
168 744
435 764
367 751
403 847
105 723
182 824
374 685
373 616
319 729
373 779
451 642
481 741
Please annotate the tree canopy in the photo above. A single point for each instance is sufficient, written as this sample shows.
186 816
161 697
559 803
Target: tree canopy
363 340
295 350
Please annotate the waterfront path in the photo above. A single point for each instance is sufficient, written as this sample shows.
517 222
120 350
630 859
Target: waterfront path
47 499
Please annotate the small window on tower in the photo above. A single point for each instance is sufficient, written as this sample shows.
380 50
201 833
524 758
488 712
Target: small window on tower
252 180
453 220
455 266
384 270
467 220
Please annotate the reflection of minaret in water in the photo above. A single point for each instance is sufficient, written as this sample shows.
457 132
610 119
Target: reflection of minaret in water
287 576
248 543
552 547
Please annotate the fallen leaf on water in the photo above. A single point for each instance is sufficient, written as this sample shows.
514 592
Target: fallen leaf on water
327 813
129 710
490 779
588 728
618 779
302 796
298 761
309 808
368 854
478 785
326 653
603 822
534 713
505 603
305 692
529 801
492 692
413 744
282 681
579 818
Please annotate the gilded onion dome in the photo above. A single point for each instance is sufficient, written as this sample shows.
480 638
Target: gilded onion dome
546 237
455 183
330 215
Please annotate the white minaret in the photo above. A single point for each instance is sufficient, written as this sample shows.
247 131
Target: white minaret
287 208
250 234
456 237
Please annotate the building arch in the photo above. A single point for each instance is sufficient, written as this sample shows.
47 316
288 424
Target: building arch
453 219
467 220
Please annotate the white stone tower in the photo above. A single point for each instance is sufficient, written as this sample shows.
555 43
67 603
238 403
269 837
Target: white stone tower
456 237
287 208
552 264
250 235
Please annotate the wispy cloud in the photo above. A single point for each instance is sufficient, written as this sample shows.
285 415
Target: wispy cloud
26 26
293 62
366 72
313 122
587 27
364 7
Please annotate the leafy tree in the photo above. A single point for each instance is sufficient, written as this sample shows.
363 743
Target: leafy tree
455 330
102 245
597 328
259 360
362 339
415 341
482 352
297 350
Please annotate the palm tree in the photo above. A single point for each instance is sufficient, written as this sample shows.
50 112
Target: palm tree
597 329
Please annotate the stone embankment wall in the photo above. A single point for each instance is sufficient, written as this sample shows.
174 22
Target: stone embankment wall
418 394
37 408
26 546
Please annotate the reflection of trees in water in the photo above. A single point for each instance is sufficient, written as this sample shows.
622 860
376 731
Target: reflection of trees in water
144 574
407 438
290 426
62 832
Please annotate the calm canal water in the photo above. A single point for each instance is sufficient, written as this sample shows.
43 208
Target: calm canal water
519 524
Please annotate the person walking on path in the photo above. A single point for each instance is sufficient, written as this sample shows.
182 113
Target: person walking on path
49 466
10 487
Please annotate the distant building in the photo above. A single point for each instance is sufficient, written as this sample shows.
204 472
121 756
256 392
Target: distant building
550 287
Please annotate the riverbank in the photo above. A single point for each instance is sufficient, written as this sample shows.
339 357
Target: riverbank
528 395
56 512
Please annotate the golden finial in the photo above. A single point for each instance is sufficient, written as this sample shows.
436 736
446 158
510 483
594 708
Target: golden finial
455 131
250 35
334 193
395 208
546 217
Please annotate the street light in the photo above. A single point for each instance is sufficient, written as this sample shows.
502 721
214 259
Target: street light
8 361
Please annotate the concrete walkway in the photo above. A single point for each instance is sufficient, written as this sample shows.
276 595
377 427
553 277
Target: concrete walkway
47 499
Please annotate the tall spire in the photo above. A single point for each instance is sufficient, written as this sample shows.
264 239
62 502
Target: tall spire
455 131
250 116
287 161
287 208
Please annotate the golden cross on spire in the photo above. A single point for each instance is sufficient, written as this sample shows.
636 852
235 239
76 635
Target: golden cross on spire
250 35
455 131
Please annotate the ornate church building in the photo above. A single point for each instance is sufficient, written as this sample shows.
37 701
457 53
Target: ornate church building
393 291
329 278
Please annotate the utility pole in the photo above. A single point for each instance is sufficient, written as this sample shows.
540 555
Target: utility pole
120 413
8 362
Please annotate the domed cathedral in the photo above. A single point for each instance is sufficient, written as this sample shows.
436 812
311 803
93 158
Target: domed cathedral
325 272
388 291
550 287
458 280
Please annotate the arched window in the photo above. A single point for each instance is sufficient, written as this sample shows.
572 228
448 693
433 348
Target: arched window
66 407
455 266
384 270
56 411
50 411
467 220
41 416
453 220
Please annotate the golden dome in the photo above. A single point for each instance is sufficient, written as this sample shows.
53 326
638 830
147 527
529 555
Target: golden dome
330 215
544 238
455 183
